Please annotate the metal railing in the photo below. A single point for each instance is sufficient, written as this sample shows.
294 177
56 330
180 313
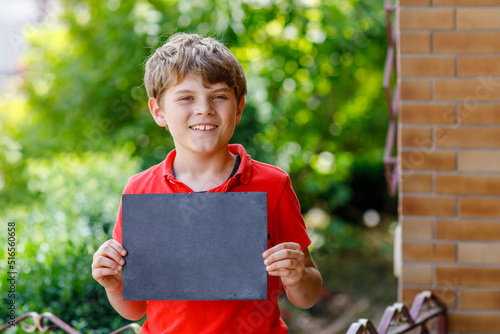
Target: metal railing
392 96
399 319
47 322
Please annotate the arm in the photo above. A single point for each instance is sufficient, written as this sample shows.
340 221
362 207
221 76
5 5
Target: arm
297 271
107 269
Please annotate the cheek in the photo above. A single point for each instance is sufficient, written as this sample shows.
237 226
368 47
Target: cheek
177 118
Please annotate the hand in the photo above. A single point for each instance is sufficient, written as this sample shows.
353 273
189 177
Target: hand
286 260
108 264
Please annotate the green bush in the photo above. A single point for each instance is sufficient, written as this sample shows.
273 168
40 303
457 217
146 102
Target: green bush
76 206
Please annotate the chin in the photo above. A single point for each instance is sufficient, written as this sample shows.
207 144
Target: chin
206 149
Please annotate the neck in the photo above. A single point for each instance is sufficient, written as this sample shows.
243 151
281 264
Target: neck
202 172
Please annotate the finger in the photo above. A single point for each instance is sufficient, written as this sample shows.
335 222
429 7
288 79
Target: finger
284 254
113 244
117 246
284 265
105 262
100 273
282 273
107 250
277 248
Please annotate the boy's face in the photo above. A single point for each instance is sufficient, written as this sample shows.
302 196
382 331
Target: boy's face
201 120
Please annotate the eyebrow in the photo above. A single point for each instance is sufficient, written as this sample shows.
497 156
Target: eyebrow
218 90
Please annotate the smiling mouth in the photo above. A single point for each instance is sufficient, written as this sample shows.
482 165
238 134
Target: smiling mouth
203 127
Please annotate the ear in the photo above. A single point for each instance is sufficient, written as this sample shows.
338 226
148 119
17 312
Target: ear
239 110
157 113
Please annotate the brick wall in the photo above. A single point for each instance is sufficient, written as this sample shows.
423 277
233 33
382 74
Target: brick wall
449 144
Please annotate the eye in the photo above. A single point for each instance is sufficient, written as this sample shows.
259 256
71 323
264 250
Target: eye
220 97
186 98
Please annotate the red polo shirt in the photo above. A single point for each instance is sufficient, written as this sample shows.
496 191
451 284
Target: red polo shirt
285 224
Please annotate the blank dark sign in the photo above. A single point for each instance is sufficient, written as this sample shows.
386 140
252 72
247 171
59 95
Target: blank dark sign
196 246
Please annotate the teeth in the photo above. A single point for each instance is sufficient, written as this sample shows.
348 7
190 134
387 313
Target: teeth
203 127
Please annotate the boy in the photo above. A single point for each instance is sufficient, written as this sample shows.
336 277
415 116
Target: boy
197 91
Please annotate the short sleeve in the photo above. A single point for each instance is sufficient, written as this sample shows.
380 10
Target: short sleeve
290 226
117 230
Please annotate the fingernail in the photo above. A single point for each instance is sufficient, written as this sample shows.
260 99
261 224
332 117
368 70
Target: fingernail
124 252
122 261
120 268
115 271
266 262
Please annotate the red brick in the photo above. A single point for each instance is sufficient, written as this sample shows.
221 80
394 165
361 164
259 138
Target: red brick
466 42
467 276
447 296
473 66
468 91
467 184
415 90
479 114
424 159
417 228
479 299
479 161
427 113
479 253
482 207
473 322
414 2
468 137
427 66
429 252
478 18
426 18
465 2
415 43
467 230
416 183
417 274
429 206
416 137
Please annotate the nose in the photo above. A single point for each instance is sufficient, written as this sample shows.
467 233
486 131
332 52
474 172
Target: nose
204 107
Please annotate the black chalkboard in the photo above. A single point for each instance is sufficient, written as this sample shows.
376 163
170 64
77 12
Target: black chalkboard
194 246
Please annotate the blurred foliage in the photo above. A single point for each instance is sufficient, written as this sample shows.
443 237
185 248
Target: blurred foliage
77 200
75 126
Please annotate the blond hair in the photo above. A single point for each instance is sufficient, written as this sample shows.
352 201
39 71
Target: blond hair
183 54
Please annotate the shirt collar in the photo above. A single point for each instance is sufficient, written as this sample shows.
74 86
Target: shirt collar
244 171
